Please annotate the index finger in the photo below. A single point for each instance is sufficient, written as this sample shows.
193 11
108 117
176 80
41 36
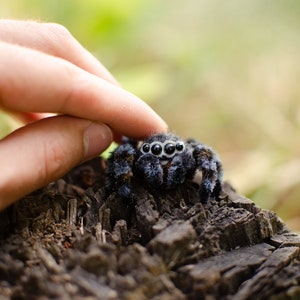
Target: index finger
55 40
37 82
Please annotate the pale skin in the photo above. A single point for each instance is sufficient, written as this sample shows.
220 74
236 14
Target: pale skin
43 69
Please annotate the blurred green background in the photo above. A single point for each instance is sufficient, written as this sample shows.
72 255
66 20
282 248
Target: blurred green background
226 73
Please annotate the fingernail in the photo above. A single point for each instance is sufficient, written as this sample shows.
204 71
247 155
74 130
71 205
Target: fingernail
97 137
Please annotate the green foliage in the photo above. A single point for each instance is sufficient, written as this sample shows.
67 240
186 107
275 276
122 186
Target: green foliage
223 72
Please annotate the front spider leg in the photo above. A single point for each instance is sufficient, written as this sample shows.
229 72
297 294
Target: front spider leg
180 168
208 162
119 170
149 167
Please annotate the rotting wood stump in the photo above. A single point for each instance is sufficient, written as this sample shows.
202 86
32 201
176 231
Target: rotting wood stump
66 242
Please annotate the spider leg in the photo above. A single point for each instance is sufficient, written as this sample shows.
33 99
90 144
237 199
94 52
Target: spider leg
182 166
149 167
208 162
120 170
218 187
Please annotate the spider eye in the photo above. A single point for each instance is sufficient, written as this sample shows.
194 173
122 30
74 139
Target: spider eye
146 148
169 148
156 149
179 146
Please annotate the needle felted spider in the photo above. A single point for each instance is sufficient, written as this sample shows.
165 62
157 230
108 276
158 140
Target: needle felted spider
162 162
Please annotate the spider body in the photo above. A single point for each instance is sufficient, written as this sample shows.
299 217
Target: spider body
162 162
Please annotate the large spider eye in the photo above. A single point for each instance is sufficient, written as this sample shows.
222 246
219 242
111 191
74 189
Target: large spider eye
179 146
169 148
156 149
146 148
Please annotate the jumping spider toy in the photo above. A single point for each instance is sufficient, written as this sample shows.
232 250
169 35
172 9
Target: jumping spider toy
163 162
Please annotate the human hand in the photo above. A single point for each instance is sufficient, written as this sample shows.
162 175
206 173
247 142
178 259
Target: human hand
43 69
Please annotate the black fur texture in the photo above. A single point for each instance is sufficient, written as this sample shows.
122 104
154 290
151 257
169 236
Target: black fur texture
163 162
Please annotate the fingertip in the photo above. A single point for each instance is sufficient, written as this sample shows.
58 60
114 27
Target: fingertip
97 137
43 151
157 126
164 126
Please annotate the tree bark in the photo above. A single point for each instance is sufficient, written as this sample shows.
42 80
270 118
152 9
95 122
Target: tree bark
71 241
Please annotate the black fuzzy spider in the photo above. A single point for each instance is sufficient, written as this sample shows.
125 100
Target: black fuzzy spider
162 162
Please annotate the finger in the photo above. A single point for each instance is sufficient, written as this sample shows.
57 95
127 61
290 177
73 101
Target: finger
53 39
45 150
29 117
33 81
